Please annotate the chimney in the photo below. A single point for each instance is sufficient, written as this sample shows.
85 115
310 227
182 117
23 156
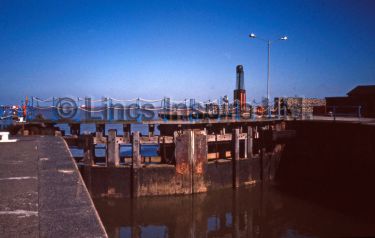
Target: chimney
240 92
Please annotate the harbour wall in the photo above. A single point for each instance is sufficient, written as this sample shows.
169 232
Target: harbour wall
331 163
156 180
192 161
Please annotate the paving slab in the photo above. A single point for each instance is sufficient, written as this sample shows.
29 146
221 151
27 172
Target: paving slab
42 193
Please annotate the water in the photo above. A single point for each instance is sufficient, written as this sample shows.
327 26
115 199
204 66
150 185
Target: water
5 123
125 150
90 128
258 211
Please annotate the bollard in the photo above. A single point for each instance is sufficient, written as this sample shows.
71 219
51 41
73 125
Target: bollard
113 149
235 157
250 142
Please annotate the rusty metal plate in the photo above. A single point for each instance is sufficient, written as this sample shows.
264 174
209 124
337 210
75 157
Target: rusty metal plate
181 154
200 153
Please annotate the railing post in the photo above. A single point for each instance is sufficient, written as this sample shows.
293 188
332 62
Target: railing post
88 150
245 148
235 157
285 112
104 102
111 110
139 117
136 159
87 108
249 142
262 161
191 144
100 129
113 149
88 159
75 129
151 130
136 164
126 129
334 113
163 150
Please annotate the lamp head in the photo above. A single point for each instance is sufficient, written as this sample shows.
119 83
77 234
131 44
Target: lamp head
252 35
284 38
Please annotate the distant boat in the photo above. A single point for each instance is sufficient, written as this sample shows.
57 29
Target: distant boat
8 116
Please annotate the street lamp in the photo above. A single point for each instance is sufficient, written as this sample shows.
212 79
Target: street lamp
269 42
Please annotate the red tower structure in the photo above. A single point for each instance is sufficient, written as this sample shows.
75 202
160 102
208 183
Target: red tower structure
240 92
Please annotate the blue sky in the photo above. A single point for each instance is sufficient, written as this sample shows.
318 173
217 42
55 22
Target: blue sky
183 49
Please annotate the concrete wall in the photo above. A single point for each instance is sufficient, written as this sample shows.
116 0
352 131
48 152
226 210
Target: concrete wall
332 163
325 152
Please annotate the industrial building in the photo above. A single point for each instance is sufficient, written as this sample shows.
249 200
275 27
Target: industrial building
299 106
359 101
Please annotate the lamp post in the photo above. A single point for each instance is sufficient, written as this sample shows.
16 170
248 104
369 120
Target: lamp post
269 42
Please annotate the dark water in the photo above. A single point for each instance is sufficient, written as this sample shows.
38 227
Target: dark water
258 211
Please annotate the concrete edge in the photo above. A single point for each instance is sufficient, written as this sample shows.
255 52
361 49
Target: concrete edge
84 185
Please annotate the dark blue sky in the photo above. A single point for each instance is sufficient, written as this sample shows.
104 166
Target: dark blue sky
183 49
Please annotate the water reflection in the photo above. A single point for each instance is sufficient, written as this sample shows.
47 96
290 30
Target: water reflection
250 212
